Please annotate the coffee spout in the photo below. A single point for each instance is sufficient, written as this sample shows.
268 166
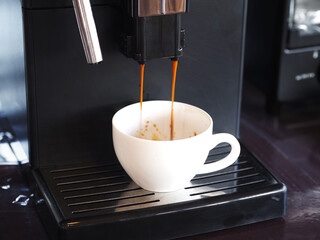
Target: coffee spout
152 29
87 29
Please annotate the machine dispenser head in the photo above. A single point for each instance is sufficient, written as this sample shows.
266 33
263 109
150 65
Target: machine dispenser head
152 29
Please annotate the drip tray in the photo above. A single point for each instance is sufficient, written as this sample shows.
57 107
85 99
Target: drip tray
100 201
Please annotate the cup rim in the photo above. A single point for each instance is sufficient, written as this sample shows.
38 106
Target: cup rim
162 141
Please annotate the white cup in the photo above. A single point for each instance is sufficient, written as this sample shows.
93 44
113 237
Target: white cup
167 165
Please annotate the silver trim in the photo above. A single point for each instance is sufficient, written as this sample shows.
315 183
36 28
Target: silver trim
291 13
302 50
147 8
163 6
88 31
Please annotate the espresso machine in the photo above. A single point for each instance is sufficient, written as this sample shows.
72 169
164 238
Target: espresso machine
282 51
81 191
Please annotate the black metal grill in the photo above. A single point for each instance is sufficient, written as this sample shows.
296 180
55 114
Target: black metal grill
103 189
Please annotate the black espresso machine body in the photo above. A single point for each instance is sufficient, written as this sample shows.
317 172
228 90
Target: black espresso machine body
71 103
282 51
80 189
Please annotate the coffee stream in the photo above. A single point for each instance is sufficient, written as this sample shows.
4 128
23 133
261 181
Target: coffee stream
141 84
174 75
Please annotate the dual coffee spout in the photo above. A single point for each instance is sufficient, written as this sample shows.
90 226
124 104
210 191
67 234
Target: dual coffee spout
151 29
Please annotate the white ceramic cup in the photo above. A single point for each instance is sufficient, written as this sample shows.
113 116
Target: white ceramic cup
167 165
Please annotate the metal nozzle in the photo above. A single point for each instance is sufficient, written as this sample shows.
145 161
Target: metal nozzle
87 30
160 7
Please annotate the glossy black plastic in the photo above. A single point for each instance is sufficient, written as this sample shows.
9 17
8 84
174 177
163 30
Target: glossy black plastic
71 103
281 62
153 37
243 193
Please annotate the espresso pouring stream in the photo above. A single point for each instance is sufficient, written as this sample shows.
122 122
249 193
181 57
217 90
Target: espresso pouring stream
174 75
141 84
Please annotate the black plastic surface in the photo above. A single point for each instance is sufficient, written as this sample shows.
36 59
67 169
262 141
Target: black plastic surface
240 194
281 62
154 38
71 103
295 40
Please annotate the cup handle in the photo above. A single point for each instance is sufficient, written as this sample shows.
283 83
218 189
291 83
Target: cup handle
228 160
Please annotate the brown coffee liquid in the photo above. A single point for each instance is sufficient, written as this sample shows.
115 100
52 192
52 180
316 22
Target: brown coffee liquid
174 75
141 84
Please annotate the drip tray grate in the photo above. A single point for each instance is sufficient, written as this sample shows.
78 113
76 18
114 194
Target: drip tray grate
103 189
